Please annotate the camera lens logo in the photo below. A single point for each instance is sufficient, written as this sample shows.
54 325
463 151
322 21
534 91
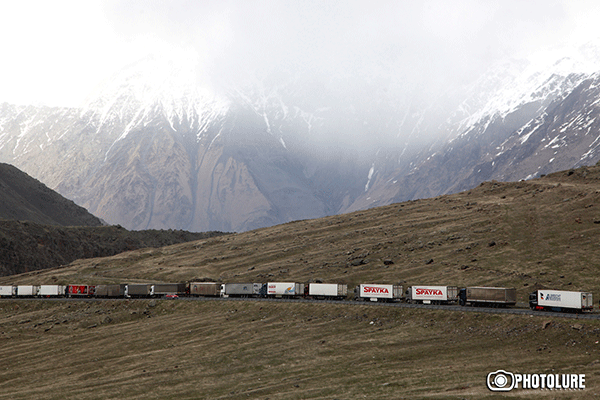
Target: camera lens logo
500 381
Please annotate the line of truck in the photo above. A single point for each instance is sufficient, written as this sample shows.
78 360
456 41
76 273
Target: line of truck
551 300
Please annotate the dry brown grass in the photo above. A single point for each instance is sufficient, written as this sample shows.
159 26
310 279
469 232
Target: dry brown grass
541 233
232 350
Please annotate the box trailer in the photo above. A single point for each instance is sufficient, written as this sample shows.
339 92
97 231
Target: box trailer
8 291
378 292
560 300
27 290
205 288
116 290
52 290
488 296
138 290
432 294
80 290
290 289
328 290
164 289
243 289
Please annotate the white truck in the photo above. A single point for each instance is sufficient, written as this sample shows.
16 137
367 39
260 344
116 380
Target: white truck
336 291
8 291
288 289
27 290
52 290
432 294
378 292
560 300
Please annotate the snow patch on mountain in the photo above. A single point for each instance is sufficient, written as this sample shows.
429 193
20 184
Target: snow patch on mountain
539 78
157 84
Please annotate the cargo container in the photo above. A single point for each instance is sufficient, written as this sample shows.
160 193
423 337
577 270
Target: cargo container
378 292
205 288
289 289
432 294
52 290
80 290
138 290
27 290
488 296
110 290
8 291
243 289
560 300
327 290
163 289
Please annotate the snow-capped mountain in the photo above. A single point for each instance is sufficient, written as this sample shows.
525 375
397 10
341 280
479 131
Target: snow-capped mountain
158 146
522 119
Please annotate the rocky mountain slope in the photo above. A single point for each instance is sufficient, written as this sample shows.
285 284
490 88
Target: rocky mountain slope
522 120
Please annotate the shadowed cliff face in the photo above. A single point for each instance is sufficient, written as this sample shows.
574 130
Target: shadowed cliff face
24 198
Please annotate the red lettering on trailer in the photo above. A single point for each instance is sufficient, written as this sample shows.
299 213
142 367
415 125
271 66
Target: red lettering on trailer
429 292
374 289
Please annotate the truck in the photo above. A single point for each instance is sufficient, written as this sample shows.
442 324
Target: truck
27 290
244 290
138 290
432 294
378 292
204 288
488 296
288 289
80 290
336 291
52 290
116 290
560 300
164 289
8 291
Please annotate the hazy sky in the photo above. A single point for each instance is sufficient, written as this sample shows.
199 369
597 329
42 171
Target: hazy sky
56 52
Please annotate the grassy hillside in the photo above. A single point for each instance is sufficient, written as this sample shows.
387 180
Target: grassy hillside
534 234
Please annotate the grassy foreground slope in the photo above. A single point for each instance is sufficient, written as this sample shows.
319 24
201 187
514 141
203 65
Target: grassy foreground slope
233 350
534 234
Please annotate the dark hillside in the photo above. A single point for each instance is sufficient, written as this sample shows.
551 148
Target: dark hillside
26 246
24 198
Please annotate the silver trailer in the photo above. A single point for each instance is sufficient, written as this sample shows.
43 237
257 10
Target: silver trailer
8 291
205 288
378 292
426 294
288 289
561 300
52 290
328 290
27 290
116 290
242 289
163 289
138 290
488 296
